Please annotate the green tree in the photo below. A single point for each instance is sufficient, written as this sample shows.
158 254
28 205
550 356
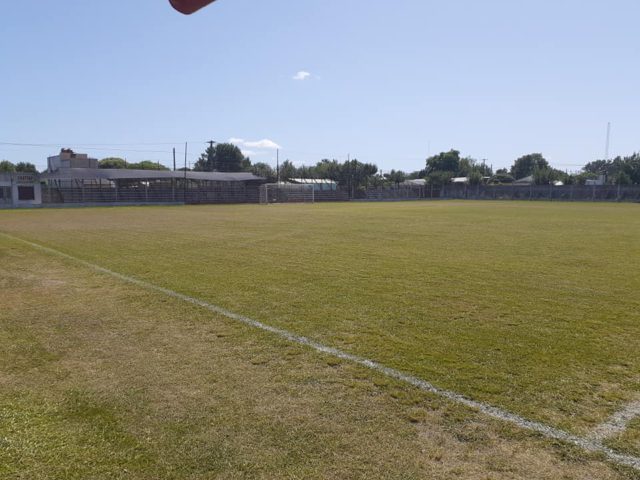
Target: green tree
417 174
443 167
475 177
222 157
112 162
7 167
358 174
26 167
264 170
469 166
396 176
542 176
444 162
613 169
146 165
288 171
597 167
328 169
623 178
439 178
527 164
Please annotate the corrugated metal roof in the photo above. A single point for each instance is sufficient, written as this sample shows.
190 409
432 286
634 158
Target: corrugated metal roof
122 174
315 181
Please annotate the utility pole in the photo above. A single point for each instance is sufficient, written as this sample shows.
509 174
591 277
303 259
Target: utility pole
186 146
211 154
174 159
350 176
278 165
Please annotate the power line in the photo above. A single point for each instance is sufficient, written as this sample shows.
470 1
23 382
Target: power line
106 144
97 146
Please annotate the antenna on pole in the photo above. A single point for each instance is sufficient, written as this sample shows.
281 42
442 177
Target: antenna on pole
608 144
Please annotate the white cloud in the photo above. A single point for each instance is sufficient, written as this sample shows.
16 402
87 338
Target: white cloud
301 76
254 148
264 144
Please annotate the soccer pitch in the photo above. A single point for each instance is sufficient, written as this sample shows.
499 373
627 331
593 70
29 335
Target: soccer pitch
530 308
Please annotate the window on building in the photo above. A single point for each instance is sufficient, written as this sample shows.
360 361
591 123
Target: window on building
26 193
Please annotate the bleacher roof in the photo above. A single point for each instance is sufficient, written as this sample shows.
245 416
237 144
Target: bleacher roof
126 174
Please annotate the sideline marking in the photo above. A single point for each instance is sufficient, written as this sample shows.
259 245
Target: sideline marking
587 444
617 423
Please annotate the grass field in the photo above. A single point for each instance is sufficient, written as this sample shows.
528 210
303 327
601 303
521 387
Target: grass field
530 307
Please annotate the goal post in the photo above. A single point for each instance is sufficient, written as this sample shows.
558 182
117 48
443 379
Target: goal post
287 193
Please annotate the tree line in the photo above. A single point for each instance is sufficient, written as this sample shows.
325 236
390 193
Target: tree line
440 169
22 167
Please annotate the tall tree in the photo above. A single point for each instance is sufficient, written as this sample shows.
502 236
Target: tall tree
26 167
396 176
7 167
528 164
444 162
288 170
222 157
618 170
263 170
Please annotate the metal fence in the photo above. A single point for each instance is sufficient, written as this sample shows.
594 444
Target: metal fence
241 192
628 193
400 192
148 192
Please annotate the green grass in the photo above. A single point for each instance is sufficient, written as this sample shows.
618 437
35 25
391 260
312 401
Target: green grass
532 307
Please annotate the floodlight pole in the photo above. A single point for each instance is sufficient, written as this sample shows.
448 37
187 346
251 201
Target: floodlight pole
608 143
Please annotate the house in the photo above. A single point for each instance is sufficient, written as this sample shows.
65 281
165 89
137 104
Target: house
69 159
415 182
460 180
601 180
20 190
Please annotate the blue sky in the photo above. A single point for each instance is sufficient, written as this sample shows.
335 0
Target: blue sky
388 81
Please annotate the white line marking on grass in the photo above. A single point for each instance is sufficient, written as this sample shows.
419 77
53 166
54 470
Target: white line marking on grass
587 444
617 423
